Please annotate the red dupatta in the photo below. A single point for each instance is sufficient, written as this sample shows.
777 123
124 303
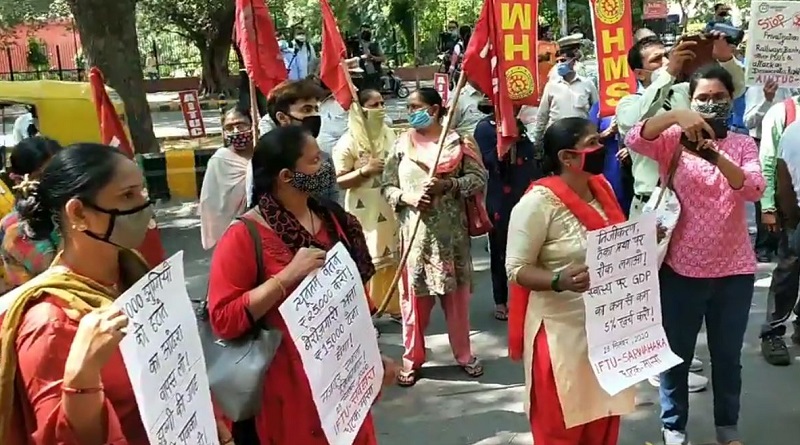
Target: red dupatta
588 216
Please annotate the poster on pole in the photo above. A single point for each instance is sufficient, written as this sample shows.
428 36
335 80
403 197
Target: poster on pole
192 113
329 322
773 47
164 358
441 83
627 343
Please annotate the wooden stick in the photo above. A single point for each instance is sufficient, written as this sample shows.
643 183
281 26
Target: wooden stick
448 122
254 117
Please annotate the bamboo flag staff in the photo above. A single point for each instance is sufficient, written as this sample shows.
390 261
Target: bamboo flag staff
448 122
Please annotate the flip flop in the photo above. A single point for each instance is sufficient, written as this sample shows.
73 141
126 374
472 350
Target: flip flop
407 379
501 314
474 368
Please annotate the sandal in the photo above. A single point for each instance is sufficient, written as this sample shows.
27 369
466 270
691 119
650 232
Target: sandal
407 379
501 313
474 368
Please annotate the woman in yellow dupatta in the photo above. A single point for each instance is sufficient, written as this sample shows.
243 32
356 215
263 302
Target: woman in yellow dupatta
62 376
359 158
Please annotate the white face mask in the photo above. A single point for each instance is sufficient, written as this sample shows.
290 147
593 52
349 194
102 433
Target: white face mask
657 73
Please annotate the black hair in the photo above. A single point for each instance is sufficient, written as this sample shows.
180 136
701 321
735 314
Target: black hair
278 149
432 97
237 110
563 134
79 171
711 71
288 93
32 110
31 154
717 6
635 59
453 22
364 95
543 30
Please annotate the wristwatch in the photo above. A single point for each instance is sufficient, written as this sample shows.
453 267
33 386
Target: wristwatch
554 282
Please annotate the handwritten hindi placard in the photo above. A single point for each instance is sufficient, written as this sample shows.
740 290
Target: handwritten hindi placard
164 358
627 343
773 47
329 321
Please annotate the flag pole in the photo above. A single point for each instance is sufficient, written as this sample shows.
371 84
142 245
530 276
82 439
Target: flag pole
448 123
254 117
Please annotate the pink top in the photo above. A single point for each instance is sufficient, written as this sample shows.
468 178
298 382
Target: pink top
711 238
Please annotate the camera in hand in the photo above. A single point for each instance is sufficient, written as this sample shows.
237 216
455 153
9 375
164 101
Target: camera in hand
733 35
720 128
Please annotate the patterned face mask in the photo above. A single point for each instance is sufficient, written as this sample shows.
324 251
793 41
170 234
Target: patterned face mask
241 140
317 183
713 110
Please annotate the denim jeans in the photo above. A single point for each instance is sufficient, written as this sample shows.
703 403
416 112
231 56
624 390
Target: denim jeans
724 304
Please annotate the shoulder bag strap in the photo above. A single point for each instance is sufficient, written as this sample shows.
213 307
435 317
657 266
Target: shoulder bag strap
673 165
259 250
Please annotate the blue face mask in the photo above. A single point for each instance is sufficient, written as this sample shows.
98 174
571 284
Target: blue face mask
563 69
420 119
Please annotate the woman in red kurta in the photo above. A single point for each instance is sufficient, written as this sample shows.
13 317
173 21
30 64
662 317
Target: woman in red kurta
62 378
295 232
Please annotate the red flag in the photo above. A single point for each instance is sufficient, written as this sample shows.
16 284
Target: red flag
111 130
499 59
113 133
331 71
255 36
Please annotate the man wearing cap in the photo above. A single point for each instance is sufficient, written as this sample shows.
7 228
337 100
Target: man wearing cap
567 94
509 178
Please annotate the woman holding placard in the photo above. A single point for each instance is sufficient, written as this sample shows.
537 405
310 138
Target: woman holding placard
708 273
545 264
296 230
62 377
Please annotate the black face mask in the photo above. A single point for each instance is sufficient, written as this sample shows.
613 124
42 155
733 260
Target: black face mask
311 123
593 160
366 35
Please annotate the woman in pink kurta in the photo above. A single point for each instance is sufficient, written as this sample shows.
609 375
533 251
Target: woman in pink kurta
708 273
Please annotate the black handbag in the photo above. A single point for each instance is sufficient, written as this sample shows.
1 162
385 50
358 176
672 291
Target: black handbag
236 368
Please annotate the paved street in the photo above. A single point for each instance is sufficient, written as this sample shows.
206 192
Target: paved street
447 408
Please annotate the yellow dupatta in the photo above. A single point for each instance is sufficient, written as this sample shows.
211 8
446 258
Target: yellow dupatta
77 292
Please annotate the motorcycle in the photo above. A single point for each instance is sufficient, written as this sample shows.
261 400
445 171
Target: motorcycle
391 84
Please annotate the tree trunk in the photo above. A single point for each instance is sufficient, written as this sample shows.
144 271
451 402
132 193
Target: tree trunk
214 57
115 50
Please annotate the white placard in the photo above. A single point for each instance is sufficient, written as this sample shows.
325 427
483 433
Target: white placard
164 358
627 343
773 48
329 322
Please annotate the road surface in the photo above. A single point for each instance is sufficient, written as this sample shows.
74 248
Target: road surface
447 408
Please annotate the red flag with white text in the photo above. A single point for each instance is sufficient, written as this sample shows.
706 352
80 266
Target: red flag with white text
501 61
255 37
331 71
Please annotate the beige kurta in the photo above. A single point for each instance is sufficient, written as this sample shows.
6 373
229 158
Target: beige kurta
543 232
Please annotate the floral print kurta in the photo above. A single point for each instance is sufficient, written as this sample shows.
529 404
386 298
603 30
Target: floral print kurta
439 261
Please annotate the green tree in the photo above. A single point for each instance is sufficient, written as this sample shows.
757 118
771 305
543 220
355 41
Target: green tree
207 24
108 35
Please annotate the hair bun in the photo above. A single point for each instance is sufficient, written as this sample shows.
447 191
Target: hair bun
27 187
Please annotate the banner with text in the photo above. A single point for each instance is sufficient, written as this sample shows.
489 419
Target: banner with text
164 358
329 321
613 35
627 343
773 48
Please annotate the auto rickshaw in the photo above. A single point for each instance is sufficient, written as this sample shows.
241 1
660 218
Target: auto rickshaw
66 112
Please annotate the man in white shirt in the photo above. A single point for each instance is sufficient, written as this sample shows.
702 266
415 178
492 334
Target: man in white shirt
758 100
569 95
25 126
466 114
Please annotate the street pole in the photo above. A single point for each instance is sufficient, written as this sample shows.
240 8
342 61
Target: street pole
416 49
562 17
